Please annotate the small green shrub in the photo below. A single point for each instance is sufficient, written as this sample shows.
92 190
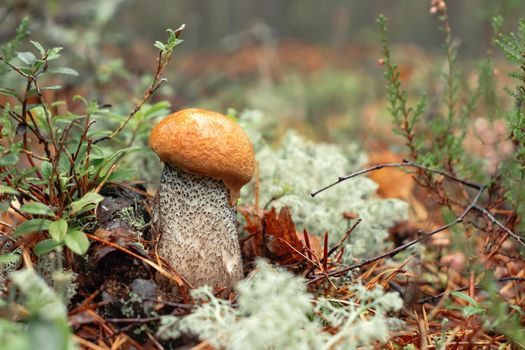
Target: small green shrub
46 324
435 138
57 191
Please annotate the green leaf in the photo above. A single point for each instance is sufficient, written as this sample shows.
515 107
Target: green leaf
80 98
26 57
9 258
65 182
63 165
9 159
122 174
8 190
9 92
472 310
77 241
173 39
465 297
45 246
57 104
7 125
517 308
47 169
113 158
37 209
88 198
160 46
51 87
98 153
63 70
53 53
37 66
26 70
58 230
79 161
67 118
33 225
4 206
156 109
39 47
87 208
33 92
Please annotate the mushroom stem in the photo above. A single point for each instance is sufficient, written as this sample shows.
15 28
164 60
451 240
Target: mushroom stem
198 231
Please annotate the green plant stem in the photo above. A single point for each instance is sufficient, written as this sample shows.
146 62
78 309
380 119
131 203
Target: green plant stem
154 85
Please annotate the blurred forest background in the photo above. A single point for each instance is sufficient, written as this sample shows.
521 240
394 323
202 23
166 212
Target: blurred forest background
304 62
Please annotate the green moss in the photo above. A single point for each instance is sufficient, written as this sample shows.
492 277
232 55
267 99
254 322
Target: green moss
135 222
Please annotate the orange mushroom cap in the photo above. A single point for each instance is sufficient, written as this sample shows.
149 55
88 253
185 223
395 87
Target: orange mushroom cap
205 143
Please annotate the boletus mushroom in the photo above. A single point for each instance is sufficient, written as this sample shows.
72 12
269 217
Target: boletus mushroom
207 159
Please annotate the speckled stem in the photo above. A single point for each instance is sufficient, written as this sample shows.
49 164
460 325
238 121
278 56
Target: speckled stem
198 229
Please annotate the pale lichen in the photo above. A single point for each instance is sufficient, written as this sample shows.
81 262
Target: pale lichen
289 173
275 311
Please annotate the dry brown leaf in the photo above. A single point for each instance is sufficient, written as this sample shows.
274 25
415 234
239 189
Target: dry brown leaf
393 182
280 237
273 235
315 243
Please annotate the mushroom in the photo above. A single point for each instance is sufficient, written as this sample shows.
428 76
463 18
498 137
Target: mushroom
208 158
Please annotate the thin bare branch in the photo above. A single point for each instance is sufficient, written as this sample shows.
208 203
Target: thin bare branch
404 163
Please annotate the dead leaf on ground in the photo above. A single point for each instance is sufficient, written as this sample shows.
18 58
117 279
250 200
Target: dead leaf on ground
276 238
313 240
396 183
393 182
